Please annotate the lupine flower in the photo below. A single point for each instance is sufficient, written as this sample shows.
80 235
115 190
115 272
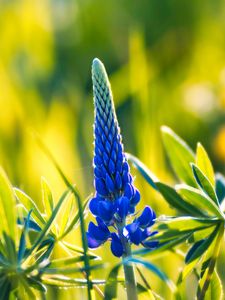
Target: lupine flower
116 196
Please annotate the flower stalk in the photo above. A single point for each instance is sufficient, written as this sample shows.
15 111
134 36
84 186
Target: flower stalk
116 197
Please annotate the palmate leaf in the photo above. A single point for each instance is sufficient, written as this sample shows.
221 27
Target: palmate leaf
204 164
204 183
176 201
180 155
199 199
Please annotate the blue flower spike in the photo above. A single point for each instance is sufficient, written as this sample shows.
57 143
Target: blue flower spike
115 194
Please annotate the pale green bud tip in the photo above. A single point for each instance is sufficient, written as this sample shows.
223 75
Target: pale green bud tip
98 69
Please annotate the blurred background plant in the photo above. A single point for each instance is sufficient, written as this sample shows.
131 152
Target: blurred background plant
166 62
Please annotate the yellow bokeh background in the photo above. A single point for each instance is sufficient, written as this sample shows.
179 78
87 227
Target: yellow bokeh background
166 63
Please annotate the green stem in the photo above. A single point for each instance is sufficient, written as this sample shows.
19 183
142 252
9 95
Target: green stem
128 268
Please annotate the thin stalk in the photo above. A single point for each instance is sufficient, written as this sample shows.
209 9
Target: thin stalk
128 268
129 276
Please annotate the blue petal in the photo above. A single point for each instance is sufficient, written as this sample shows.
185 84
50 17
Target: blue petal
135 233
146 218
136 236
113 155
97 172
112 167
118 181
131 210
102 224
93 206
116 245
100 187
97 232
131 228
108 146
122 206
136 198
105 159
93 243
97 160
128 191
106 210
119 165
126 166
125 177
109 183
150 244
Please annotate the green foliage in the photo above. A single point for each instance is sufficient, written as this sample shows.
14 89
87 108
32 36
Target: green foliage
26 249
29 236
198 198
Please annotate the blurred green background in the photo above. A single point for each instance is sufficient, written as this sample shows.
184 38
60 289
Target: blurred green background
166 62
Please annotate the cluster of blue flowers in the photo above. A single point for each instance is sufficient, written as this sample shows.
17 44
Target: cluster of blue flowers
116 196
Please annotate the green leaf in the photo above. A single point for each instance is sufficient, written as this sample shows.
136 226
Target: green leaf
111 283
184 223
29 204
74 222
164 246
63 262
7 207
47 197
199 199
180 155
208 266
145 172
204 183
220 187
49 223
204 163
176 201
202 247
152 268
69 271
22 245
215 290
63 281
186 271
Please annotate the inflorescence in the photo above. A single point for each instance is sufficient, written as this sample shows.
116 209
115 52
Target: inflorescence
116 196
